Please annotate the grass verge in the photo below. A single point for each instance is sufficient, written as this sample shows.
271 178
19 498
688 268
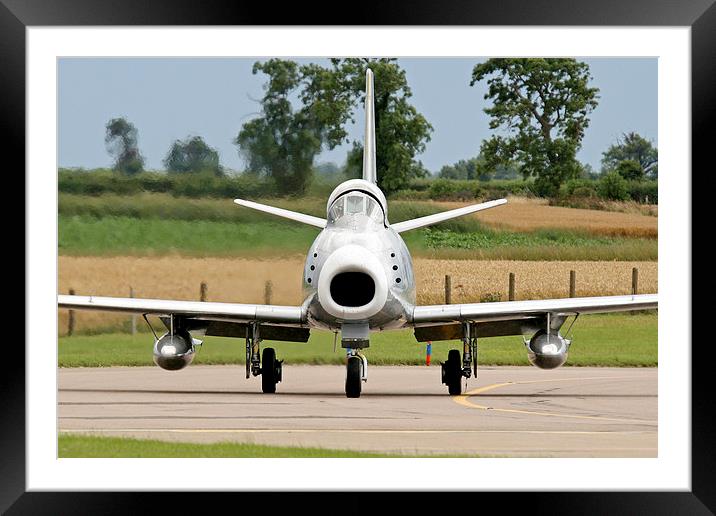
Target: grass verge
599 340
91 446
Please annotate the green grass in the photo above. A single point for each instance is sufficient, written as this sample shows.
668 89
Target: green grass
158 224
545 244
485 239
599 340
120 235
76 446
84 235
167 207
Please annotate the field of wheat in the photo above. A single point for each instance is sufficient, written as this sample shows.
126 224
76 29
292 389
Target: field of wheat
475 280
522 214
244 280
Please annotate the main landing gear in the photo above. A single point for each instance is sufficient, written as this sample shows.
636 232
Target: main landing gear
454 369
264 364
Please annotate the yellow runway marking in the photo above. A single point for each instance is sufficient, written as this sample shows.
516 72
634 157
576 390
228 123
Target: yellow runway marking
463 399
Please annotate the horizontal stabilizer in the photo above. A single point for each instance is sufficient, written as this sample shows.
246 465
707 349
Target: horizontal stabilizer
286 214
445 215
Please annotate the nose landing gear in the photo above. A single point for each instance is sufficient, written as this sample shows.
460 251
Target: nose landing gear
354 336
356 373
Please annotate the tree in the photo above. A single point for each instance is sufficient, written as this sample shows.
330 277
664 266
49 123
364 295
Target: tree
587 172
542 105
463 169
282 143
121 141
334 94
285 140
630 170
476 168
192 155
327 168
632 146
500 171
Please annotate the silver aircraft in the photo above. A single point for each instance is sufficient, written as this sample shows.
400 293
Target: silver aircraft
358 279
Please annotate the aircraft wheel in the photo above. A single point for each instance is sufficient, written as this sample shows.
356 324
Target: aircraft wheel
452 373
353 377
270 371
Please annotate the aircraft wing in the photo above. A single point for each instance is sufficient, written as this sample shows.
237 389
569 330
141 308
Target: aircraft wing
194 309
442 322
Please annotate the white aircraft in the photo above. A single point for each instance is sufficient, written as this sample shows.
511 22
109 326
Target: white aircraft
358 279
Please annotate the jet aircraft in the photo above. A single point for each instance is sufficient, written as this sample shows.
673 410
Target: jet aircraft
358 279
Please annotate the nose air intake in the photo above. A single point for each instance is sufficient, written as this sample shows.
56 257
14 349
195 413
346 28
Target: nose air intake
352 285
352 289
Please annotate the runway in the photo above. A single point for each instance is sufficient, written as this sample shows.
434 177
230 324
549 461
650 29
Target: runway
507 411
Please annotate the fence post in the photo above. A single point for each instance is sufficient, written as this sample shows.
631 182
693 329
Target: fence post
202 291
511 289
634 281
448 289
268 291
572 284
134 316
71 318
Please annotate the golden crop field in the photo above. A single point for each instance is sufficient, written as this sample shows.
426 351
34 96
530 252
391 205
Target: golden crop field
472 280
244 280
523 214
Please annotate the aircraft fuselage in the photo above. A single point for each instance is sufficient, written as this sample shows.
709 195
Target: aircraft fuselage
358 271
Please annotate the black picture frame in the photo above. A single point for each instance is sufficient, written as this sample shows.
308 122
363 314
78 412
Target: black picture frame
700 15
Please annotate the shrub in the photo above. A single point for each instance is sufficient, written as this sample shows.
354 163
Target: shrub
572 185
504 187
420 184
469 189
411 195
98 182
442 189
585 192
644 191
614 187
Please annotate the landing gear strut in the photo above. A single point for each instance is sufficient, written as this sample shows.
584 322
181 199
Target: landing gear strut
271 371
454 369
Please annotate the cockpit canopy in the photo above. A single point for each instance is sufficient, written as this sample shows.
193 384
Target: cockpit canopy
353 204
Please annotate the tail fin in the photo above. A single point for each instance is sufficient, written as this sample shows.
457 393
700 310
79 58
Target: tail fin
369 172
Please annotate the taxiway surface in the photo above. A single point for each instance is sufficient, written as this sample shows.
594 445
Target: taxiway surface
507 411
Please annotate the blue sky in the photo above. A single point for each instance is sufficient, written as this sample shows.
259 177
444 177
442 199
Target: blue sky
172 98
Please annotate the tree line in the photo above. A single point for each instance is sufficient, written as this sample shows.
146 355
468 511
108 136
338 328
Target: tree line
539 110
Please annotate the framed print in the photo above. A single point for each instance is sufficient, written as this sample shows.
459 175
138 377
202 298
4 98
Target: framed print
661 469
